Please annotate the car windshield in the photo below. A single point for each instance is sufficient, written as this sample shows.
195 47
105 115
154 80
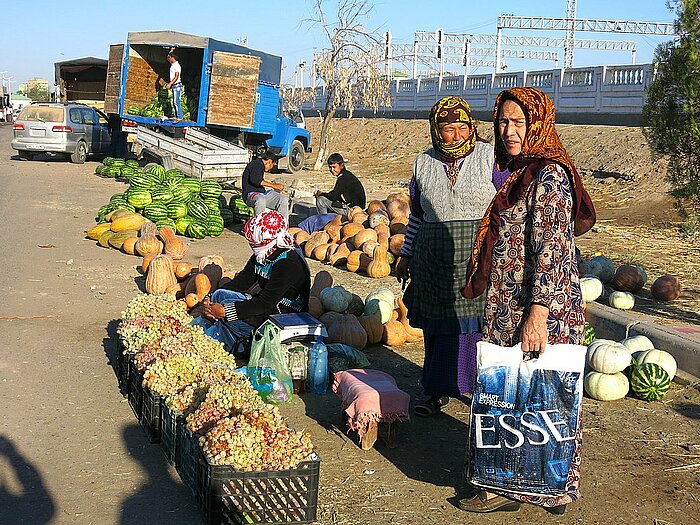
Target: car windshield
43 114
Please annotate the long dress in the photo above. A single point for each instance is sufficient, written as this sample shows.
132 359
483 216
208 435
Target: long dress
442 226
534 261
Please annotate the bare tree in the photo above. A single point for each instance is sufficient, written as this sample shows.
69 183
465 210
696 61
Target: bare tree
351 68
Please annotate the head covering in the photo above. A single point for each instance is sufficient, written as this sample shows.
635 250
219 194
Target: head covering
267 232
449 110
541 146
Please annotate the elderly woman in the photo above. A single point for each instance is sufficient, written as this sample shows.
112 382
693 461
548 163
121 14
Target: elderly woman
524 256
450 190
276 279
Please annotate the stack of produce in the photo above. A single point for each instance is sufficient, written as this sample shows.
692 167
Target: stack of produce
198 378
381 317
652 370
168 198
241 211
161 105
114 167
367 241
607 360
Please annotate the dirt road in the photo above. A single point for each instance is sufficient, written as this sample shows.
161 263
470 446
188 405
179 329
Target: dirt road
72 453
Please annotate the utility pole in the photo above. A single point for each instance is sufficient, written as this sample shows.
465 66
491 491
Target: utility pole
570 34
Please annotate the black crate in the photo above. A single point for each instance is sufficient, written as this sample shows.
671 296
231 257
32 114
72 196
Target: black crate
135 395
229 496
123 366
151 414
187 456
169 433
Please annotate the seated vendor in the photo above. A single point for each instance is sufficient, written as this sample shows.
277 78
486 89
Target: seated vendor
276 279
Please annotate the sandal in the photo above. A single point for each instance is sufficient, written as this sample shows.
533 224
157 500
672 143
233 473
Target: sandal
482 504
431 407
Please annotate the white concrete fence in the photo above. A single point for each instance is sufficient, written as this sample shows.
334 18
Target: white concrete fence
600 94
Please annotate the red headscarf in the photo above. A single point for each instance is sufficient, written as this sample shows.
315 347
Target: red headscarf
541 146
267 232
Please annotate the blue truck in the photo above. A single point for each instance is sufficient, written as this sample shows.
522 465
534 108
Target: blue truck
231 94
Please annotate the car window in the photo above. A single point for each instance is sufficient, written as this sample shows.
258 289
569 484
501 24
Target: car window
42 114
102 118
88 116
75 116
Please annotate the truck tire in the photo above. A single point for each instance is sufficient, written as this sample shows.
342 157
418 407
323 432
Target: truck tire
295 159
80 153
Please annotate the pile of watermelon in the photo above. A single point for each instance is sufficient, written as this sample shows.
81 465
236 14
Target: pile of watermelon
112 167
168 198
241 211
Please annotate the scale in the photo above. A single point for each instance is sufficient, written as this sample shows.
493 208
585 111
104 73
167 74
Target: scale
298 326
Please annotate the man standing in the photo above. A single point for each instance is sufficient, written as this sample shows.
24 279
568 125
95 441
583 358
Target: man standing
347 192
260 193
175 83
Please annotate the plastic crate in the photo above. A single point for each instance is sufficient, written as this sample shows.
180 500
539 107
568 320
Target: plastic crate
135 390
123 365
187 455
151 414
169 433
279 496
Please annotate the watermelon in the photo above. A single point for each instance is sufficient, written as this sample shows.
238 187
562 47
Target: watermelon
182 223
192 184
108 161
588 333
157 170
197 230
198 209
649 381
133 163
113 172
165 222
177 210
141 182
213 205
174 175
139 198
215 225
156 211
227 216
162 195
210 189
118 197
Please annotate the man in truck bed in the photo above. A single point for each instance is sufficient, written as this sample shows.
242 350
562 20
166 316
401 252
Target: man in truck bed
259 193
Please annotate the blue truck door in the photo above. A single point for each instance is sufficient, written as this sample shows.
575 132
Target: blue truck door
232 89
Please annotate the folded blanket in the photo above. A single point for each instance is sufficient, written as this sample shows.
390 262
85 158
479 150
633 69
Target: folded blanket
370 395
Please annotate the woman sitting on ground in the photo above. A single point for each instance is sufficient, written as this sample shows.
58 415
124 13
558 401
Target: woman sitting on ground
276 279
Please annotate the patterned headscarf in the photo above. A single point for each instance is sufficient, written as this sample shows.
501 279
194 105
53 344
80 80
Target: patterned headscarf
449 110
267 232
541 146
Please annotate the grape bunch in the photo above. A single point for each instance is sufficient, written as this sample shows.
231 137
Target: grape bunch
224 399
154 306
166 345
173 373
141 331
185 399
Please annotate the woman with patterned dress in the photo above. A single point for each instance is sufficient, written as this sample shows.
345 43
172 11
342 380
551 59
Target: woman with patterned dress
450 190
524 257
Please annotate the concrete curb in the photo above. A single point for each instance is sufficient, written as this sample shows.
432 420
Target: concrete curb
684 346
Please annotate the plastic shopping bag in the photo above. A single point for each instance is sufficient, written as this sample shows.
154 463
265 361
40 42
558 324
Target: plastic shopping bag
267 366
524 418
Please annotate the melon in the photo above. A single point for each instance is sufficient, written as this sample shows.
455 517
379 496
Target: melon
649 382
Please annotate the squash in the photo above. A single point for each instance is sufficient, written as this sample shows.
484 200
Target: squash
340 256
333 229
379 309
209 259
320 252
117 240
374 328
148 227
182 270
661 358
363 236
666 288
129 245
347 329
382 229
369 247
396 243
329 318
356 306
354 211
315 307
606 387
398 208
115 214
335 299
621 300
608 357
378 267
357 261
395 314
349 230
104 238
191 300
148 244
301 237
360 218
133 221
589 268
145 262
637 343
591 288
202 285
396 228
375 206
214 273
628 278
173 289
383 240
399 195
412 334
394 334
293 231
316 239
160 275
607 268
383 293
97 230
176 248
378 218
322 280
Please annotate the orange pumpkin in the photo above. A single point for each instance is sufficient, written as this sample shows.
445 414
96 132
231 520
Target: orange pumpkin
129 245
396 243
202 285
412 334
375 206
379 266
363 236
394 334
347 329
316 239
182 270
160 275
349 230
322 280
340 256
148 244
357 261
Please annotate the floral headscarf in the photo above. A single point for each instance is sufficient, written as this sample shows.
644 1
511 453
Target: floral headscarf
267 232
449 110
541 146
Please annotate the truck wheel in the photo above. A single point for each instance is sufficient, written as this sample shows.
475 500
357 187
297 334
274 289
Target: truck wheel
295 159
25 155
80 153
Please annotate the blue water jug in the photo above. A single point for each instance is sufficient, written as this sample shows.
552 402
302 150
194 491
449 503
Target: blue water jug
318 367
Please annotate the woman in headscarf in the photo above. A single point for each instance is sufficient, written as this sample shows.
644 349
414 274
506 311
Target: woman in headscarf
276 279
524 256
450 190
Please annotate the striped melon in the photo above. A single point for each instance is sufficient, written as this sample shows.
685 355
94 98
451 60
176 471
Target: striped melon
155 211
182 223
210 189
197 230
140 182
191 184
198 209
139 198
177 210
215 225
588 334
162 195
649 381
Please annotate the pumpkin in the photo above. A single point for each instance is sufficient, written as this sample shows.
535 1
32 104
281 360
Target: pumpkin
132 221
329 318
148 227
369 247
360 218
621 300
607 268
202 285
608 357
347 329
148 244
394 334
591 288
382 293
666 288
628 278
378 267
349 230
182 269
398 208
316 240
396 243
379 309
129 245
357 261
333 228
637 343
374 328
175 247
320 252
211 259
399 195
412 334
315 307
356 306
382 229
354 211
160 275
145 262
293 231
606 387
378 218
173 289
363 236
375 206
590 268
301 237
322 280
191 300
335 299
661 358
214 273
340 256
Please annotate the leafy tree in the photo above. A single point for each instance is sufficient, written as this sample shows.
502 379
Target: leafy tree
39 93
672 111
351 67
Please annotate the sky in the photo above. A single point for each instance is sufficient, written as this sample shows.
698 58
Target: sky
30 44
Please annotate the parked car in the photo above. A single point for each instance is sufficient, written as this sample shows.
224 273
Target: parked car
66 128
